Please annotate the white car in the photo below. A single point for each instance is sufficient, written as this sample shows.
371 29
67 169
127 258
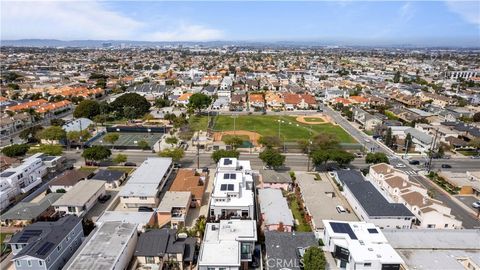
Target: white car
400 165
476 204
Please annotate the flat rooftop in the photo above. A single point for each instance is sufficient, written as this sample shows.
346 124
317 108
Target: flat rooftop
79 194
145 179
174 199
104 249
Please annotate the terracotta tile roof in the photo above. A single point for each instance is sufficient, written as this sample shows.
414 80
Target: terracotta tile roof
256 98
186 180
297 98
358 99
185 97
382 168
53 106
416 198
27 105
342 100
397 182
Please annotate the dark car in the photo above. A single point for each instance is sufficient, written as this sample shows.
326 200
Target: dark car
145 209
205 170
446 166
130 164
104 198
414 162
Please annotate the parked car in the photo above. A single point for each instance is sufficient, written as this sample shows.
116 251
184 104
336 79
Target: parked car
475 157
414 162
177 165
446 166
358 155
104 198
340 209
130 164
476 204
145 209
91 163
400 165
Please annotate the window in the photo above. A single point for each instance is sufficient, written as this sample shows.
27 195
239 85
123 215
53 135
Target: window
446 225
18 263
40 263
142 198
59 247
149 260
367 264
29 263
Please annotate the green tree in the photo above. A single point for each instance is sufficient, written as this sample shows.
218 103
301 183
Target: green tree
217 155
96 153
199 101
31 134
476 117
171 140
325 141
53 133
408 142
78 136
175 153
57 122
375 158
143 145
131 105
15 150
100 119
233 141
319 157
272 158
120 158
87 108
111 138
397 76
270 141
341 157
162 102
49 149
388 138
314 259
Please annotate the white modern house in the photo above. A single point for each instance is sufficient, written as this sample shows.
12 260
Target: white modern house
359 245
233 190
429 213
145 184
21 179
228 245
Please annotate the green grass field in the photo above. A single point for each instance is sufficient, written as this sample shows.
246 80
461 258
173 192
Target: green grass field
290 129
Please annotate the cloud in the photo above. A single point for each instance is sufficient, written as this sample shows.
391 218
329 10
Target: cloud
468 10
186 32
70 20
406 12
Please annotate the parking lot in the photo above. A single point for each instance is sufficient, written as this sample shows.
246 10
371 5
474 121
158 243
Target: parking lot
321 199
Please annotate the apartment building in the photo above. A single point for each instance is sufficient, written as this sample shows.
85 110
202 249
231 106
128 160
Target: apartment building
174 208
145 184
21 179
429 213
228 245
110 247
370 205
359 245
233 190
46 245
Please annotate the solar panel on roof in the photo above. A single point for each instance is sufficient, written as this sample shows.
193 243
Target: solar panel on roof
339 227
372 231
233 176
230 187
227 161
223 187
45 248
226 176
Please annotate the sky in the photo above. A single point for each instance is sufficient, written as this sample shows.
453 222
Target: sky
336 22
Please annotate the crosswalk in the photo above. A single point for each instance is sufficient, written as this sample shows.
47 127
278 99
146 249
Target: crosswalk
410 172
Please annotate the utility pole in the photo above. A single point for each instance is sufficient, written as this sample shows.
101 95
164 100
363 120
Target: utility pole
198 149
432 148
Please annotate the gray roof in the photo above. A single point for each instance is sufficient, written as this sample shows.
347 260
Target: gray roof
77 124
147 88
108 175
283 245
44 232
274 207
29 210
369 197
271 176
417 134
164 241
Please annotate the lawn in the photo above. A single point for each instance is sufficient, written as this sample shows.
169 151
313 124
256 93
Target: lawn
128 170
88 169
467 152
302 226
198 122
290 129
313 119
243 137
